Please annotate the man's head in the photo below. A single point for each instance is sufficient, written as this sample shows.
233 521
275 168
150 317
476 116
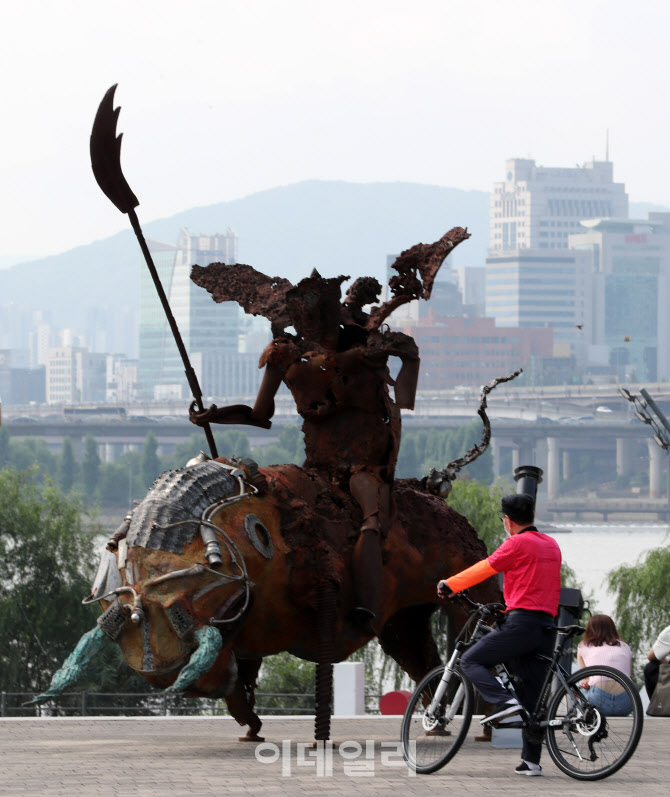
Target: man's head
519 509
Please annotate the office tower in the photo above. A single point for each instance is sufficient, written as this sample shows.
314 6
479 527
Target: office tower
626 321
75 374
532 278
205 327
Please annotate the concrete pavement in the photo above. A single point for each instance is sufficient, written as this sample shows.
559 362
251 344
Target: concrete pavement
194 757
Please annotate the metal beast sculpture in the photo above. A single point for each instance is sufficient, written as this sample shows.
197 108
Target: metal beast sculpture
224 563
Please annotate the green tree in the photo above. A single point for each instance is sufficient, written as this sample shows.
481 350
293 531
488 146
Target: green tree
90 465
642 598
286 674
22 454
46 563
292 440
408 461
67 471
229 443
150 465
480 504
4 446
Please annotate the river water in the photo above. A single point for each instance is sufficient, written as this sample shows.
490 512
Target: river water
593 550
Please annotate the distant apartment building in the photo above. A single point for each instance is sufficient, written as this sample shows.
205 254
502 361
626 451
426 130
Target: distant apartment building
472 351
121 380
627 289
532 278
74 374
227 376
112 329
471 281
206 327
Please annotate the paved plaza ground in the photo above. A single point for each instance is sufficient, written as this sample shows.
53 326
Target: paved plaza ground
201 756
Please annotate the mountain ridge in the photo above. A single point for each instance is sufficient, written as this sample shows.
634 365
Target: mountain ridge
332 225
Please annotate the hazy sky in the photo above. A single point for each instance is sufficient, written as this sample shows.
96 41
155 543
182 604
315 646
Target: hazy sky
222 98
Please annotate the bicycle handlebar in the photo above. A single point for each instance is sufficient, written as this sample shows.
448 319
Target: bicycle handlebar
484 608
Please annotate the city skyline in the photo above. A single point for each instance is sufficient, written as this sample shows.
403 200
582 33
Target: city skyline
237 98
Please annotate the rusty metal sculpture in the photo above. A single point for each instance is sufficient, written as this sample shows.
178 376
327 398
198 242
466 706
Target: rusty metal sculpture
224 563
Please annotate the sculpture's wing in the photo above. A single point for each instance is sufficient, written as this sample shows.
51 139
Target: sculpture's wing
256 293
417 268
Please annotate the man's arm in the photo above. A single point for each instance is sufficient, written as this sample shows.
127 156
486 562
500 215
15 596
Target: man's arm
466 578
661 647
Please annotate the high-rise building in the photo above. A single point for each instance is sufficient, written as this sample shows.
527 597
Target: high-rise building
532 278
205 327
121 379
74 374
626 322
472 351
537 207
471 283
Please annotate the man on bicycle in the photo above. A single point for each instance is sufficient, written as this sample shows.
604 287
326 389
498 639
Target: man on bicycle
531 563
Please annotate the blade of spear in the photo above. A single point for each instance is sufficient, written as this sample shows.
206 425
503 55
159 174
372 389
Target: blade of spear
106 163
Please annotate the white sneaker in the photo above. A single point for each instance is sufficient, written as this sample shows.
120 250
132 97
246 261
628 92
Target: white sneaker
532 770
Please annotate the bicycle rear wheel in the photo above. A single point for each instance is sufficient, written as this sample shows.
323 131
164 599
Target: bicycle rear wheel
430 740
589 744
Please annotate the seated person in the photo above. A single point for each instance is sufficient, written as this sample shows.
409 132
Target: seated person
603 645
657 654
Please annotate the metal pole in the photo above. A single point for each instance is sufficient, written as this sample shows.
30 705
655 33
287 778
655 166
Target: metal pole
83 704
191 377
3 705
650 401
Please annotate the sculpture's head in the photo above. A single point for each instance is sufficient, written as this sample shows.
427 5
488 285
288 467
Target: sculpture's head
177 581
315 310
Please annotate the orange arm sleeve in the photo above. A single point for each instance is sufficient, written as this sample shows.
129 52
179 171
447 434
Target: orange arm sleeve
471 576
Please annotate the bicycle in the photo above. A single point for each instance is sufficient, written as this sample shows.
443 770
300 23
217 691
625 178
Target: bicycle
582 741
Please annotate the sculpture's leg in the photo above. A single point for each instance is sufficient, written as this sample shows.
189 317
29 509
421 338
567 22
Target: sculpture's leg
242 699
323 691
407 637
368 567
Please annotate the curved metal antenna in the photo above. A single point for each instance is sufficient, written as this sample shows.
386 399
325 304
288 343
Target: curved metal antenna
439 481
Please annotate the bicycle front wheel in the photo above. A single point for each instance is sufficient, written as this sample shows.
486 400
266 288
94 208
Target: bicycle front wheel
588 740
432 735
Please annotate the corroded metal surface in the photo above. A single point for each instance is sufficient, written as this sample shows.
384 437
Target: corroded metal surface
307 519
335 363
224 563
176 496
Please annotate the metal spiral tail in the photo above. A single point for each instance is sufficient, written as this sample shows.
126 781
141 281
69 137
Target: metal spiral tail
323 693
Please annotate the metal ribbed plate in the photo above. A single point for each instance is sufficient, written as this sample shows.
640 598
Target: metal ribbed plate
182 494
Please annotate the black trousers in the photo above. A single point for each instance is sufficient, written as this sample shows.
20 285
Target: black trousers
515 644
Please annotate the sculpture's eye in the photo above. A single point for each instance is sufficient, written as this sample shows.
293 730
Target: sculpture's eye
259 536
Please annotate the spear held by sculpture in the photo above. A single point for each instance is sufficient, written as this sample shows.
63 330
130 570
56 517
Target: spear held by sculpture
106 164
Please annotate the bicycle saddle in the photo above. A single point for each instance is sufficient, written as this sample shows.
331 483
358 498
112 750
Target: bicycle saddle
570 630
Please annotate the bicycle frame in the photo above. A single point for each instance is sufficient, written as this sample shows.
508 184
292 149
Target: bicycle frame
554 671
581 739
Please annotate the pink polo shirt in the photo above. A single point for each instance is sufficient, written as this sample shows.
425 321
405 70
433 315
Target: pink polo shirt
531 562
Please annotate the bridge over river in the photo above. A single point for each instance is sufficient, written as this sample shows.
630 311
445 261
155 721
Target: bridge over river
548 427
